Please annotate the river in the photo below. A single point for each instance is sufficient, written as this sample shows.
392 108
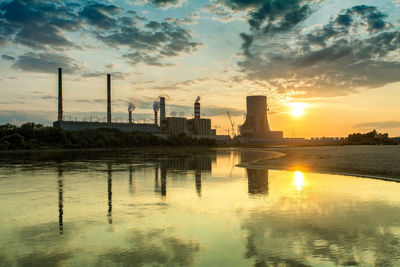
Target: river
152 207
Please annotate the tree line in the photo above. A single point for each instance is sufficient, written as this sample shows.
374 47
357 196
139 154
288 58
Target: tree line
32 136
371 138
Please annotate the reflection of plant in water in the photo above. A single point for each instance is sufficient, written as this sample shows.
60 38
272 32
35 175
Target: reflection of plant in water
357 234
155 247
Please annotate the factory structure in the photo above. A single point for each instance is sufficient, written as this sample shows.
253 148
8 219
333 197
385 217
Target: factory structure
196 127
255 129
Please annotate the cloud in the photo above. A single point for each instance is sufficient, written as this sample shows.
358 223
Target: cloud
152 44
37 24
101 16
355 49
7 57
46 25
152 247
272 16
379 124
165 4
45 63
114 75
21 116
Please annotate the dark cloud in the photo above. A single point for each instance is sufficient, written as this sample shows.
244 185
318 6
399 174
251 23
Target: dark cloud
164 3
272 16
150 45
7 57
355 49
37 24
44 25
45 62
379 125
101 16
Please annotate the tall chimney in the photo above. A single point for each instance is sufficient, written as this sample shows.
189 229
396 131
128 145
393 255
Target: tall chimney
60 104
197 110
162 109
155 117
130 116
108 98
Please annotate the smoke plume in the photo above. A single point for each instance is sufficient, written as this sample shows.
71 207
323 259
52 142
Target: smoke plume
156 105
198 99
131 107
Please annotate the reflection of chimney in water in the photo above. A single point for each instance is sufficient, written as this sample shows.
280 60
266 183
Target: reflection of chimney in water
257 181
60 200
156 184
109 189
130 180
198 182
163 181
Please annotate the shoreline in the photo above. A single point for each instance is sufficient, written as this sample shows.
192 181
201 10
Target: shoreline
381 163
387 179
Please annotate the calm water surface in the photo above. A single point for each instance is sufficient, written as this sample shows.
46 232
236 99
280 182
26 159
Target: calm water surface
152 208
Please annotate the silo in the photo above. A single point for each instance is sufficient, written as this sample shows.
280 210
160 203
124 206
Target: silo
256 124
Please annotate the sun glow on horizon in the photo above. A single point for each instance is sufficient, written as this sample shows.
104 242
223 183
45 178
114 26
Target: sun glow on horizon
297 109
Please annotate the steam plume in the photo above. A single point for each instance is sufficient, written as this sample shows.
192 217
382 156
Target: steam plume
131 107
156 105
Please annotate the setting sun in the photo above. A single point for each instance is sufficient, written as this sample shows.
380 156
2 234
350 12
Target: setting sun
297 109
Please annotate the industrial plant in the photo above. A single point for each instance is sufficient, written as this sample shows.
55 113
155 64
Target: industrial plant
255 129
196 127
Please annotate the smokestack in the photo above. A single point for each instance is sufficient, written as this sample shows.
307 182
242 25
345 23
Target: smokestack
108 98
156 107
197 108
162 109
60 104
131 108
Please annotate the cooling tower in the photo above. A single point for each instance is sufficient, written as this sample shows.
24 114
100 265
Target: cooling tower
256 124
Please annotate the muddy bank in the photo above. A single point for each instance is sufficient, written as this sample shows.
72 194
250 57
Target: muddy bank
370 161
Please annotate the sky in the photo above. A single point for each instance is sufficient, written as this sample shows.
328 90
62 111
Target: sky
328 67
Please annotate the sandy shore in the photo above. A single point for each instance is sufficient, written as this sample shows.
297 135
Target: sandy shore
371 161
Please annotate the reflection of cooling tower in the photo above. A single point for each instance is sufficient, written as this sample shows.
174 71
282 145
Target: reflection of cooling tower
162 109
257 181
256 124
